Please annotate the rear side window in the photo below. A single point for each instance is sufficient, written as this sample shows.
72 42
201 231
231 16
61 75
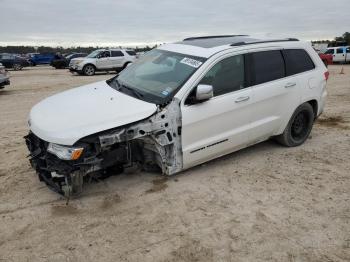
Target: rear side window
297 61
339 50
132 53
267 66
117 53
348 50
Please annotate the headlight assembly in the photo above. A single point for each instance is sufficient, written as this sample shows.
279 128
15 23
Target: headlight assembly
65 152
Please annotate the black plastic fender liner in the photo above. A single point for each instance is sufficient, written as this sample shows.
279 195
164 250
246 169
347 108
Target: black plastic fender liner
52 185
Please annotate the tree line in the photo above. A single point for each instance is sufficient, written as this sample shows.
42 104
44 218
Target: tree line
338 41
59 49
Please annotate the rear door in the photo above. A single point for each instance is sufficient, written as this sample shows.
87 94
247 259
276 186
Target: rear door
117 59
339 55
275 96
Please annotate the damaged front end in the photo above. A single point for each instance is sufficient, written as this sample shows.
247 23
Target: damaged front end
151 143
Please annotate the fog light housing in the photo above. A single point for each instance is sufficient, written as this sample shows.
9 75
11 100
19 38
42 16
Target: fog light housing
65 152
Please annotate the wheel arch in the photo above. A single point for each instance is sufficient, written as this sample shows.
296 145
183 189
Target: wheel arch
91 65
314 105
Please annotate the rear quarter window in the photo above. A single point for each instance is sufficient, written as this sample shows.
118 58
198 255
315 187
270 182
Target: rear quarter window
132 53
297 61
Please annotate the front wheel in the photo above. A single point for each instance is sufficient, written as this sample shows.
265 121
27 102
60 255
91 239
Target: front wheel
89 70
299 126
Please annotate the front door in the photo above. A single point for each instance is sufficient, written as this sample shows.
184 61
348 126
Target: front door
220 125
103 62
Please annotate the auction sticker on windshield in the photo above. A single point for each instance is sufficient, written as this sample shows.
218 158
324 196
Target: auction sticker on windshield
191 62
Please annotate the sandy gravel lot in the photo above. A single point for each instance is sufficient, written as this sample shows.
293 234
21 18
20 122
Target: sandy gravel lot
264 203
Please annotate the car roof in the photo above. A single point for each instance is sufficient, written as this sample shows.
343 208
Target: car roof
205 46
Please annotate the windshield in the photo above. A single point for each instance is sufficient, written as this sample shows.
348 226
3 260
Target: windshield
94 54
329 51
158 75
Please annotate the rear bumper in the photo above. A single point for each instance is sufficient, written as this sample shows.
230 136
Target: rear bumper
4 81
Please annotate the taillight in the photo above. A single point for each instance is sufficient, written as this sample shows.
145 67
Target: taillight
326 75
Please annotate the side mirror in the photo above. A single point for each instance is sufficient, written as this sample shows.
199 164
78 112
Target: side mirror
204 92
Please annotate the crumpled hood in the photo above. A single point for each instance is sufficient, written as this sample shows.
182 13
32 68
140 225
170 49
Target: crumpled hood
71 115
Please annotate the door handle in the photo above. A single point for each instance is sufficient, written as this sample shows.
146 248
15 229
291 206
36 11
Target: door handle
242 99
290 85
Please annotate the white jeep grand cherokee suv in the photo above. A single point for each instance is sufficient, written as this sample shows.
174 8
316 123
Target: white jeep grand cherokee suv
179 105
102 60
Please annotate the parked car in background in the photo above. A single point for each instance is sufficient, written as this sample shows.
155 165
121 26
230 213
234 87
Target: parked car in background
41 59
14 62
341 54
327 59
178 106
4 77
102 60
63 62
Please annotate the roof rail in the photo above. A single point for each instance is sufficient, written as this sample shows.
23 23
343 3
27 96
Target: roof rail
210 36
265 41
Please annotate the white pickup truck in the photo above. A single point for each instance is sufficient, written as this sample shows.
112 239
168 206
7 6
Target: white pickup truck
341 54
102 60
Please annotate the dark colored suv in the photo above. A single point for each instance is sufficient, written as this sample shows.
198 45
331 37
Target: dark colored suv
41 59
63 62
13 61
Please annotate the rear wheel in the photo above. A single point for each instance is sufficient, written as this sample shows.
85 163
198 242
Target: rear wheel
17 67
299 126
89 70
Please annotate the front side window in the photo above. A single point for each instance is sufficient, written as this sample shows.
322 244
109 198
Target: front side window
157 75
105 54
267 66
94 54
348 50
226 76
297 61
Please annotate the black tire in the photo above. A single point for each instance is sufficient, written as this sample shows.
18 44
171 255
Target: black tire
299 126
17 67
89 70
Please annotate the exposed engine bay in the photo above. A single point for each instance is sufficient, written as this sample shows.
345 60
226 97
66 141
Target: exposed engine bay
154 142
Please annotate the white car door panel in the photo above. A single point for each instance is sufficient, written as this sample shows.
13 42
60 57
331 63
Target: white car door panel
216 127
117 59
272 103
102 63
221 124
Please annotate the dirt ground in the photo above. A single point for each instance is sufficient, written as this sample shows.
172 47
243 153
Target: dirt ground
264 203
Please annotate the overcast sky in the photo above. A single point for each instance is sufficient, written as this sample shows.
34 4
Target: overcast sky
139 22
